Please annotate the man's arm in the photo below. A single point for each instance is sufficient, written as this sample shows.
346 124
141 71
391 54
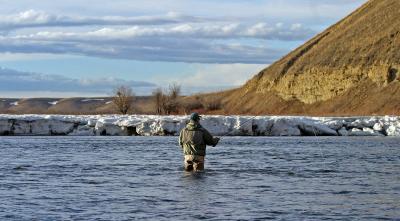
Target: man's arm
209 139
181 138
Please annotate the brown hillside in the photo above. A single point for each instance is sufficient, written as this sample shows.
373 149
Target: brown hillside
76 105
352 68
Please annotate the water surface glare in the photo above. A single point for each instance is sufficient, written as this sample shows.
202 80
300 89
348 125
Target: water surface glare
246 178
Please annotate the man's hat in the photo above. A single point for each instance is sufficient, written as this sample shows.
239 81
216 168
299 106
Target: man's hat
195 116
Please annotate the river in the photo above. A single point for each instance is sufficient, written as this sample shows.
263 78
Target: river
246 178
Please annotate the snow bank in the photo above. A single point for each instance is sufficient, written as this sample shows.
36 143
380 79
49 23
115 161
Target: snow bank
93 99
149 125
53 102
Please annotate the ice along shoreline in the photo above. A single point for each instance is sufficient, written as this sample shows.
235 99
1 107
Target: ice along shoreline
151 125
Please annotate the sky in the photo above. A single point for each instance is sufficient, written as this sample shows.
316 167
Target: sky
86 48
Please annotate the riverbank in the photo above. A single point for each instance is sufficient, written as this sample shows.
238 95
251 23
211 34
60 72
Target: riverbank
151 125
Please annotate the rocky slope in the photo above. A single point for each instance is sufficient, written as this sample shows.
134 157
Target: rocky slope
350 68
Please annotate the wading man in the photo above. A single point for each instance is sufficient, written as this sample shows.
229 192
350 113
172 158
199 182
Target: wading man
193 139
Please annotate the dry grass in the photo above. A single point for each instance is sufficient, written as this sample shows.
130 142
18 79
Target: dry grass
191 104
212 104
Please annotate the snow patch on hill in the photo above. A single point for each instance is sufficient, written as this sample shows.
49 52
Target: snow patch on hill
53 102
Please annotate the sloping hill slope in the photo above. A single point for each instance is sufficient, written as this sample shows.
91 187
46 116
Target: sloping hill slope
352 68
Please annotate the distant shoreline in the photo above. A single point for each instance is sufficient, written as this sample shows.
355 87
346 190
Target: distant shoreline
235 125
143 105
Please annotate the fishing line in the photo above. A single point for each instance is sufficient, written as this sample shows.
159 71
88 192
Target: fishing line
320 149
240 125
319 146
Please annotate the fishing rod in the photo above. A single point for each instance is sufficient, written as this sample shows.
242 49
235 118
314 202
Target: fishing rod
240 125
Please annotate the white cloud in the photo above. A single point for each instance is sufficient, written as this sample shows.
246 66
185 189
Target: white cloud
289 9
174 49
311 13
265 31
171 37
224 75
176 43
7 56
32 18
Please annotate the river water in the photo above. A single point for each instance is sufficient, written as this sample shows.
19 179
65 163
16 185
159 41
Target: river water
246 178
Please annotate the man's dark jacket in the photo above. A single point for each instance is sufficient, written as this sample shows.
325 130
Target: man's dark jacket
194 139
